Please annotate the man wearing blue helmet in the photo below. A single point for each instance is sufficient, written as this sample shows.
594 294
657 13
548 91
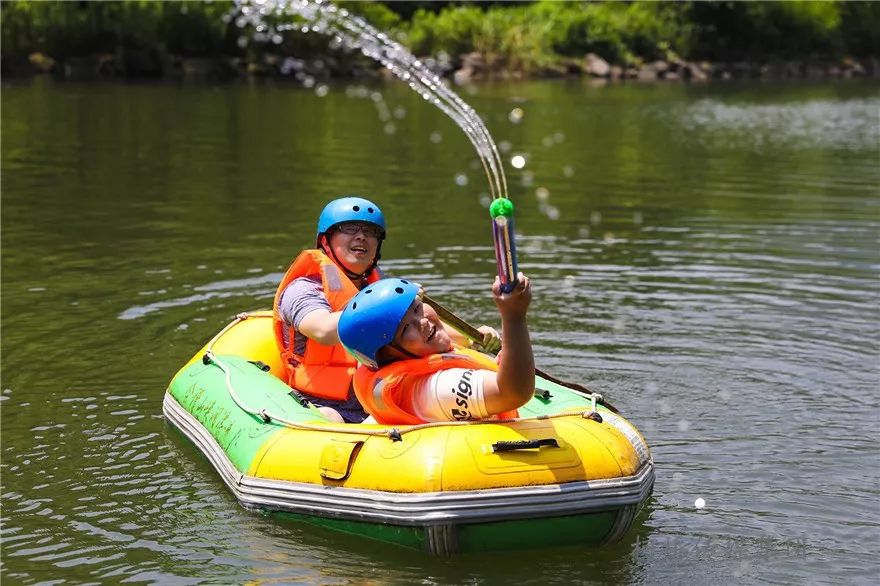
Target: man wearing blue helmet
412 372
310 299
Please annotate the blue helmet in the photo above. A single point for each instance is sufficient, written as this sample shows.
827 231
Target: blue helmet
371 318
350 209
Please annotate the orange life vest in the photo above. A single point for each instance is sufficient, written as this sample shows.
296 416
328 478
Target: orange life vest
387 393
321 371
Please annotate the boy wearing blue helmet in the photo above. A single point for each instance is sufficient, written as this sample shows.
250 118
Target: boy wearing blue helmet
412 372
311 296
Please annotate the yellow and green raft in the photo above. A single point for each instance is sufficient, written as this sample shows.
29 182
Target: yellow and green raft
568 471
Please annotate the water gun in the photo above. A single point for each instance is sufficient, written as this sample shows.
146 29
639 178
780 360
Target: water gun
501 211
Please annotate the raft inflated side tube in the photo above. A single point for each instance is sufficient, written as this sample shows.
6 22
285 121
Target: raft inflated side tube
556 476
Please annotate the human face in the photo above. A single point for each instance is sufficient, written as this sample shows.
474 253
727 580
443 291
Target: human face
421 332
357 250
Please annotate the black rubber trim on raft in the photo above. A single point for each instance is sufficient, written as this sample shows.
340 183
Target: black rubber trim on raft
509 446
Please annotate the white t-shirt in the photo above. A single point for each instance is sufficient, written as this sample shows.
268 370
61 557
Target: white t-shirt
455 394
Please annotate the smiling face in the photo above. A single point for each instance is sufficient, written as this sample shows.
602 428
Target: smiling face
421 332
355 251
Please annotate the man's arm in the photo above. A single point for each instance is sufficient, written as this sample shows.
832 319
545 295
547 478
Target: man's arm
320 325
304 306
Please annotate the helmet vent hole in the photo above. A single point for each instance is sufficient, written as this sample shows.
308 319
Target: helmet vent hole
370 210
399 289
404 281
367 291
357 208
354 305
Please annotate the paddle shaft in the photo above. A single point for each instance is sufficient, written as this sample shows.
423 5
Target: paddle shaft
475 335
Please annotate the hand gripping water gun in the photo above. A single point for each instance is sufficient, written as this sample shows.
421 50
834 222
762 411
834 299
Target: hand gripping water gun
501 211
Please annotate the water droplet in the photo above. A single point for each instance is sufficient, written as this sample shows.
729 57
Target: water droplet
516 115
400 112
542 193
436 137
548 141
504 146
277 39
461 180
390 128
700 503
595 218
242 42
637 218
568 171
684 425
485 200
558 137
308 82
322 90
518 161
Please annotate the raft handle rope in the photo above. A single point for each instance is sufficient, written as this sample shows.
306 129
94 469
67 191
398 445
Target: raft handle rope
394 434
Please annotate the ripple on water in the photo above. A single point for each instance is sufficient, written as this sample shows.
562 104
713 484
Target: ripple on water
813 124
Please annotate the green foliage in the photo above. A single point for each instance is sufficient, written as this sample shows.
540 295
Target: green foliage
730 31
523 36
454 30
83 28
376 13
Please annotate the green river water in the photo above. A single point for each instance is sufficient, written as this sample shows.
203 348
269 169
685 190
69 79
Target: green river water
706 256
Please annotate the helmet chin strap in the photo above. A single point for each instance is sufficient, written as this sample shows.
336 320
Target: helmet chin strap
403 350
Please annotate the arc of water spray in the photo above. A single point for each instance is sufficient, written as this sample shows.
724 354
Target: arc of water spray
355 33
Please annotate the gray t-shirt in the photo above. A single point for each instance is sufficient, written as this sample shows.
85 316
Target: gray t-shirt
301 297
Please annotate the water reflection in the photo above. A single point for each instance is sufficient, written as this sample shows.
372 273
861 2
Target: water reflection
722 293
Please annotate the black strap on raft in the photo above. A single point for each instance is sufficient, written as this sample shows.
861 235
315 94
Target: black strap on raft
300 398
594 415
542 394
206 359
509 446
261 365
395 436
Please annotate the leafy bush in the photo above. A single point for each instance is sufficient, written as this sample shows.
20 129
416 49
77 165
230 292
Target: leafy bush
518 36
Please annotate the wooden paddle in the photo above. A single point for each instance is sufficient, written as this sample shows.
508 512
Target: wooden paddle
475 335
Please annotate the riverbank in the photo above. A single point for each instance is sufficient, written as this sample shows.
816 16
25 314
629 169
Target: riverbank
615 41
470 67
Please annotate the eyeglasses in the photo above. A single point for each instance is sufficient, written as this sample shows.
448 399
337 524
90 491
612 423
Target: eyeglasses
352 228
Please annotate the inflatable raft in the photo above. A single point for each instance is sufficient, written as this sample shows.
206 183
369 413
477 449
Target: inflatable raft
568 471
